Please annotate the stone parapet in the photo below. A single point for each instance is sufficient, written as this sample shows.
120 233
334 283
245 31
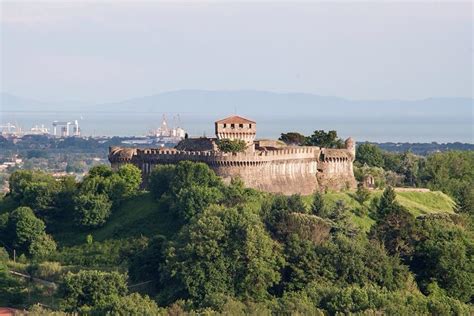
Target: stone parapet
287 170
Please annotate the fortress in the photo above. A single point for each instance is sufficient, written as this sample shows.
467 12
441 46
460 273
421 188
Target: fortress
266 165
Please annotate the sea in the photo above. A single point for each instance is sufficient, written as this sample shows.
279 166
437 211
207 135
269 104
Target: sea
269 126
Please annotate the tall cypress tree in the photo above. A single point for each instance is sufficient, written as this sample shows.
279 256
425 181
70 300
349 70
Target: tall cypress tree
387 201
317 207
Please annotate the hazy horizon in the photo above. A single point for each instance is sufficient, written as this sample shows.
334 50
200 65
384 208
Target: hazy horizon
101 52
69 56
386 120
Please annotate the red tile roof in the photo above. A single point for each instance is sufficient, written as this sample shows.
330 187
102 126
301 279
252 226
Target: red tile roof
6 311
235 119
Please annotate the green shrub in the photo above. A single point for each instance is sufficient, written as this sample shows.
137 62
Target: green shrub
231 146
92 291
92 210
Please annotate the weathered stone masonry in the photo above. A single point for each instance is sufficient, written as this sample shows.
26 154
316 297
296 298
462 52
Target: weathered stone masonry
281 169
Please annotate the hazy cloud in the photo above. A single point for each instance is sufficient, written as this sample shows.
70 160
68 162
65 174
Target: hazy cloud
105 50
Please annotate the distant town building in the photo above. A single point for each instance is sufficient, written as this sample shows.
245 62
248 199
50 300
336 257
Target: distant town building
39 130
66 129
13 130
163 136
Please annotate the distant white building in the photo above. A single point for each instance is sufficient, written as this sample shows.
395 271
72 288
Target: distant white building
38 130
66 129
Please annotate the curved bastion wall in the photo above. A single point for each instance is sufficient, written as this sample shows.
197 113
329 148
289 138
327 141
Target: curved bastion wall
290 170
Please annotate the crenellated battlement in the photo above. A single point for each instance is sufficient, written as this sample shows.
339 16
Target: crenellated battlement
288 170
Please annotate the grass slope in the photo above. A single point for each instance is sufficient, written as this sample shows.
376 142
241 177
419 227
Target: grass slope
140 216
418 203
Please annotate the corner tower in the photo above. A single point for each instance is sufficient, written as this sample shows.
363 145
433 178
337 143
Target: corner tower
236 127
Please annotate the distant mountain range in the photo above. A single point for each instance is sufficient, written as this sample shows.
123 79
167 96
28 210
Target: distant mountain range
260 104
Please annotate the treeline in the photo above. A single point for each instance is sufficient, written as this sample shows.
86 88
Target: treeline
331 140
235 250
42 144
451 172
41 199
424 149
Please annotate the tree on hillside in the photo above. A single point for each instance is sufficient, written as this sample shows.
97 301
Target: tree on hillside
117 186
387 202
188 173
395 231
148 264
35 189
194 199
103 171
302 263
65 198
132 176
318 207
160 180
410 168
444 253
92 210
356 260
293 139
135 304
193 188
224 252
370 155
362 194
90 291
26 233
339 212
325 139
236 193
12 291
42 246
392 161
465 200
452 173
296 203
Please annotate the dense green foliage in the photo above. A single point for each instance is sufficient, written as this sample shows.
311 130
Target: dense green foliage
318 138
195 244
231 145
224 252
453 173
92 209
293 139
317 206
370 155
160 180
25 233
324 139
92 290
34 189
10 288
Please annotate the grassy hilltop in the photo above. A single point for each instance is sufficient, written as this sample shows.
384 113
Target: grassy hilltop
418 203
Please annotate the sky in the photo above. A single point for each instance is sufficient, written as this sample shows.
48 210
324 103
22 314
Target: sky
103 51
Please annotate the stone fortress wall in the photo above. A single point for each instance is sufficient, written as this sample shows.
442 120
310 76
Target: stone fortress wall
286 170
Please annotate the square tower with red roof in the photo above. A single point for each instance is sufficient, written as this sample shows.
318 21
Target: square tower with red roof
236 127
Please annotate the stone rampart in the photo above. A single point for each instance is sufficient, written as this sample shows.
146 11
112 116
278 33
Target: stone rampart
288 170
